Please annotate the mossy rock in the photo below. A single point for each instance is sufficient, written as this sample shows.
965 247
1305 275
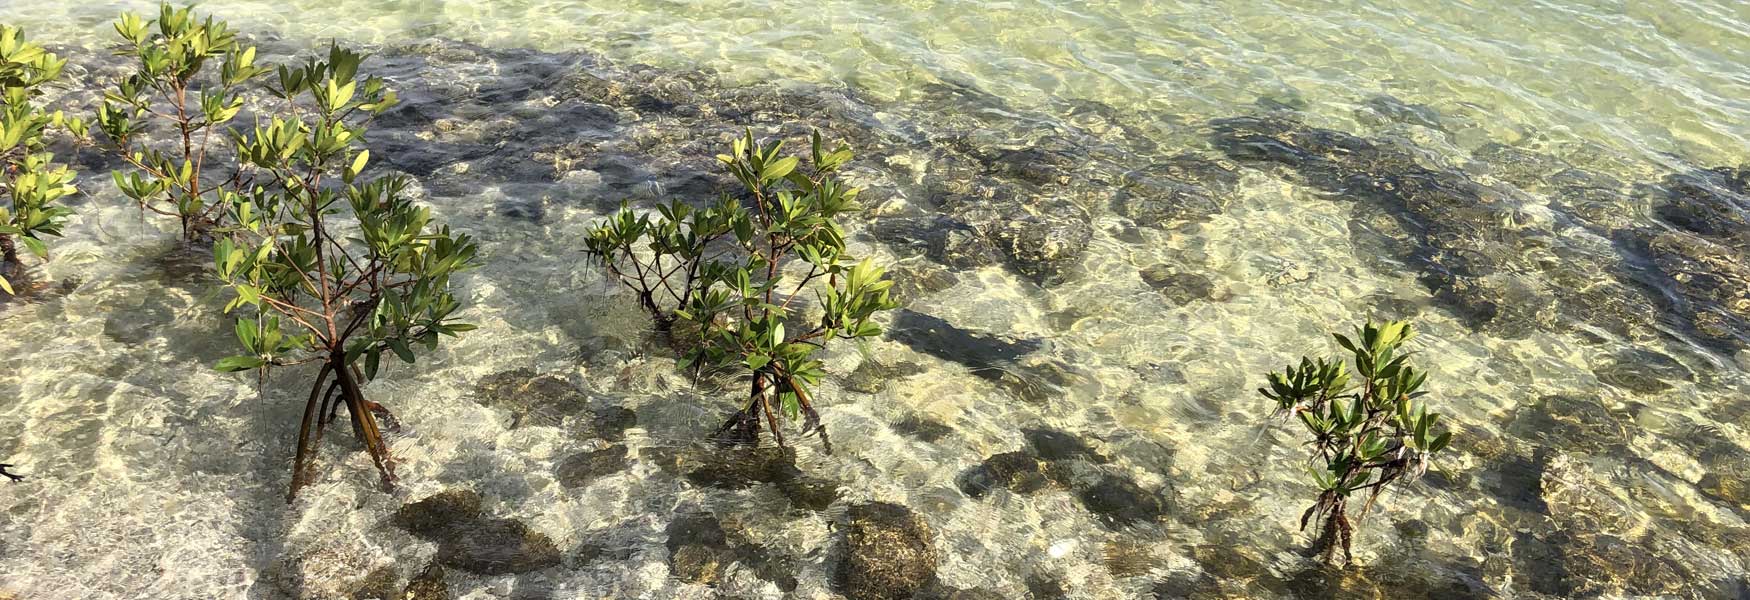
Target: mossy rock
740 468
890 553
1018 472
698 548
922 429
811 493
1119 501
380 583
436 514
1050 444
429 584
531 398
1177 286
872 377
578 470
498 547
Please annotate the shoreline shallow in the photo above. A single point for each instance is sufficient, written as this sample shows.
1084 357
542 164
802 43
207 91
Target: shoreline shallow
1120 359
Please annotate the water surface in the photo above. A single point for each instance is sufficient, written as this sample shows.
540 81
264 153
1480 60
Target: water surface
1567 259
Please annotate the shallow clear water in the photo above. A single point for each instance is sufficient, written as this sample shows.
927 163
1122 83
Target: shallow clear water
1575 472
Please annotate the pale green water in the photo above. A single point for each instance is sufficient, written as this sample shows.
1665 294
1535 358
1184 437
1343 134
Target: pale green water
104 382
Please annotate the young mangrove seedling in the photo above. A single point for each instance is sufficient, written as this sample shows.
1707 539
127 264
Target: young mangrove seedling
1366 433
331 267
733 273
31 182
169 118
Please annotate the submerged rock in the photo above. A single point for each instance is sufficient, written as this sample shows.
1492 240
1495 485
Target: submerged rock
1385 108
1018 472
701 551
429 584
1120 501
942 239
916 280
498 547
923 429
469 541
890 553
873 376
1123 558
611 422
437 514
1152 197
743 468
580 469
379 583
810 493
1058 460
525 394
1727 464
947 593
1714 203
1730 485
1528 169
537 399
1482 251
1043 244
1177 286
1603 210
1642 371
1713 281
1053 445
698 549
1604 546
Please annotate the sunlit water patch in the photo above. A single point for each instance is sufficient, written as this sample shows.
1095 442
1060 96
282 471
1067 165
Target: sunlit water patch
1106 220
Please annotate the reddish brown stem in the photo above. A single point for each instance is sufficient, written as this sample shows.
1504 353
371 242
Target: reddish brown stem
772 417
366 422
300 462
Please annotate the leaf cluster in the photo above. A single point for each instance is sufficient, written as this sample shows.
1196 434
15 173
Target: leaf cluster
734 270
176 86
338 266
31 181
1368 426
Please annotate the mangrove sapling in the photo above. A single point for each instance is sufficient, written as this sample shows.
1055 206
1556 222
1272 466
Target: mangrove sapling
175 91
335 269
731 275
30 179
1364 437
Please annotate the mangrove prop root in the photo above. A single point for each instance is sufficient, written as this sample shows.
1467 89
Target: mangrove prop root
772 418
312 408
367 425
810 418
743 427
388 420
10 475
1335 530
330 406
327 396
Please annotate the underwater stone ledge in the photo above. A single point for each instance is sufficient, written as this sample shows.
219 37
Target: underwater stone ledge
470 540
